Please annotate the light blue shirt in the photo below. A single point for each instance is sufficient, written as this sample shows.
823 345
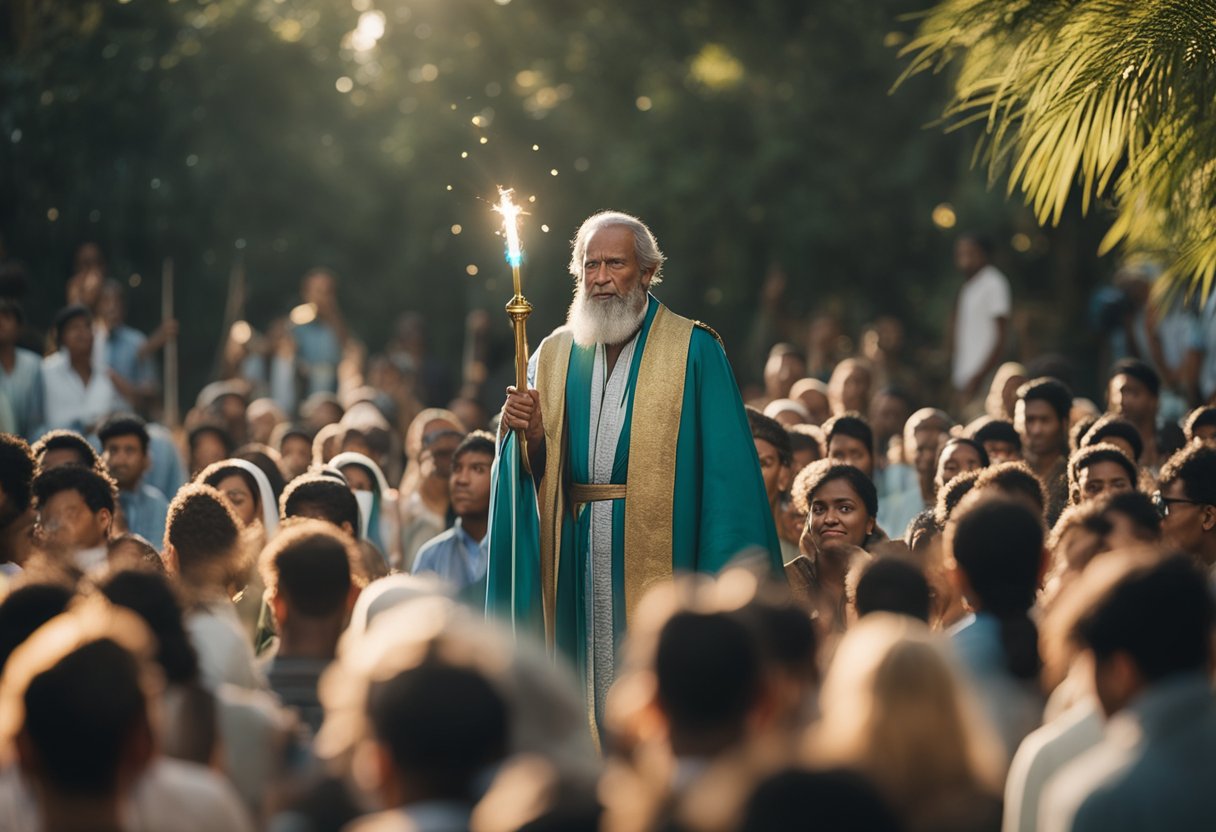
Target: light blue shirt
317 346
122 356
1154 769
144 510
454 556
167 473
1014 706
23 389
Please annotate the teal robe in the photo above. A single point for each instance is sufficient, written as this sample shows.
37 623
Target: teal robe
719 503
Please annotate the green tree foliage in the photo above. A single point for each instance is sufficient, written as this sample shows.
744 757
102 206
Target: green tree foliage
1111 98
288 133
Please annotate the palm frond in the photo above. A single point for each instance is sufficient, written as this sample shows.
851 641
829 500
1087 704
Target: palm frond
1117 97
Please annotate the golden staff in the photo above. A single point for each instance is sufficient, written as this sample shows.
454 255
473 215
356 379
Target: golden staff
518 308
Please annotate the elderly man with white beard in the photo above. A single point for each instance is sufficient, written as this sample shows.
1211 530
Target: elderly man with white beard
642 461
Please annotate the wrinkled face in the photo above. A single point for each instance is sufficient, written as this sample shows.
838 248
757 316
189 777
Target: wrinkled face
999 451
296 452
238 493
850 451
771 469
1041 428
65 524
958 458
610 265
838 516
1101 478
126 459
470 484
1131 399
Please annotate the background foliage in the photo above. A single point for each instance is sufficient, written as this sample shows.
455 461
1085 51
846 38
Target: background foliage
286 133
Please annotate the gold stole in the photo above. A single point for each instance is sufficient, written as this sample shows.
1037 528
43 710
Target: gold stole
658 400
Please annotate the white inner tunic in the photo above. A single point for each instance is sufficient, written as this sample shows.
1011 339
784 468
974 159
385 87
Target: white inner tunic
609 402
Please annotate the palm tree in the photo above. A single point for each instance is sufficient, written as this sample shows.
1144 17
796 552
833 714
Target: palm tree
1116 98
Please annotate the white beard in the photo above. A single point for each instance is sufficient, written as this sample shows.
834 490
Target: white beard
606 322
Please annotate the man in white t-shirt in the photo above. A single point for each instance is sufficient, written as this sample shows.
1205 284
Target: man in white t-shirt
979 328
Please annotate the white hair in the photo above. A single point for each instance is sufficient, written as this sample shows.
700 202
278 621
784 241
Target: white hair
645 246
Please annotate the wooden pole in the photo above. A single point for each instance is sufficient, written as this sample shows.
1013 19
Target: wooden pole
171 413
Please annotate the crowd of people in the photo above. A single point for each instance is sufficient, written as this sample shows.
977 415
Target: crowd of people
996 613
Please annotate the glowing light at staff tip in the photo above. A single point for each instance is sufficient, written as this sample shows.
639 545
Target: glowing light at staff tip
510 225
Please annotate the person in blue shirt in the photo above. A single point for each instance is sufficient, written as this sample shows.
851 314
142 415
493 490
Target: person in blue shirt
1148 632
124 442
20 372
458 555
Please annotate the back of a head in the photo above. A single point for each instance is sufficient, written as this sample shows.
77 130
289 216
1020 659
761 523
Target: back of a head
1174 638
998 545
74 700
837 799
310 566
894 708
27 608
952 493
149 595
79 713
1015 480
442 724
16 476
699 652
1111 426
1140 512
892 584
321 498
204 532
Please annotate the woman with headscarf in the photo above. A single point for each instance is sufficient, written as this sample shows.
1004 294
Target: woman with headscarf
423 496
377 502
248 490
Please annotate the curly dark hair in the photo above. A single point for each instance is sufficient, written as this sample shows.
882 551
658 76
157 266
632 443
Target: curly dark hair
1013 478
321 496
124 424
312 565
819 473
1195 466
1050 390
204 532
60 440
16 471
952 493
1111 426
1200 417
771 431
96 489
1091 455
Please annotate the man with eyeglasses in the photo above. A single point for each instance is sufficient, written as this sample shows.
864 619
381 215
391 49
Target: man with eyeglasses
1187 502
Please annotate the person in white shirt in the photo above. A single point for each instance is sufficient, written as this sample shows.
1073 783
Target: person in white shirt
979 327
77 393
203 548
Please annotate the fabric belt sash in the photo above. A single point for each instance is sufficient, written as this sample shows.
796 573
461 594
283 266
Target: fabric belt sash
581 493
658 400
